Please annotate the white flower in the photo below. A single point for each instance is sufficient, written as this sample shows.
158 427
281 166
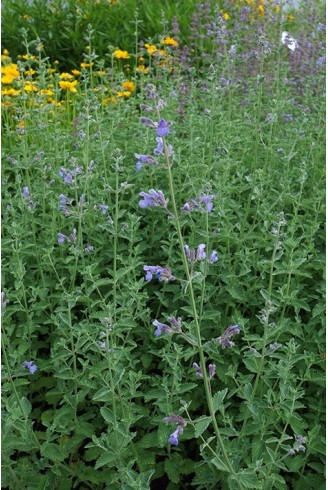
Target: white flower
288 40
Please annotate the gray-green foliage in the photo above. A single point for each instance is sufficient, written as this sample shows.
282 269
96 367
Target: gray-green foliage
92 414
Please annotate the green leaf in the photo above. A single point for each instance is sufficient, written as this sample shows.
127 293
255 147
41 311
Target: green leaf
107 458
201 425
26 406
108 415
218 398
248 479
52 452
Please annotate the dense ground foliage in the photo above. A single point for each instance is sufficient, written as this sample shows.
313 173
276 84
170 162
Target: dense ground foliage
163 244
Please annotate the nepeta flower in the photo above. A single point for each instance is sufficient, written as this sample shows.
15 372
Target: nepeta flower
201 255
148 123
30 366
61 237
229 332
102 207
199 371
148 159
160 146
163 274
173 439
175 322
214 257
153 198
162 128
211 370
298 445
207 200
26 193
161 328
177 420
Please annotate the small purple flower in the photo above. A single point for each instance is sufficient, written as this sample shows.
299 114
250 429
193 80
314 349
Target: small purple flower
148 123
61 237
201 254
146 108
214 257
173 439
30 366
180 422
186 207
160 146
148 159
199 371
175 322
162 128
211 370
103 208
26 193
89 248
207 200
153 198
229 332
161 328
163 274
298 445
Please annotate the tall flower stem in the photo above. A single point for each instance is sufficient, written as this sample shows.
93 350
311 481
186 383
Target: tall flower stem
196 319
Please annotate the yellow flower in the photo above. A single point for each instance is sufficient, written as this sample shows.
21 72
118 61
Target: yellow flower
143 69
5 52
10 92
29 72
66 76
28 57
45 91
151 48
260 10
130 86
69 86
9 72
26 17
169 41
162 52
125 93
101 72
51 70
276 8
86 65
141 58
56 62
226 16
290 17
29 87
76 73
109 99
121 55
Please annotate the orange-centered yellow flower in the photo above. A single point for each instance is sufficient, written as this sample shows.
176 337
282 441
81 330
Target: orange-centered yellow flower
130 86
9 73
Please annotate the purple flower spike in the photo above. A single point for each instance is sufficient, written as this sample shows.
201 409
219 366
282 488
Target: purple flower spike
199 371
30 366
214 257
229 332
201 252
162 128
180 422
153 198
161 328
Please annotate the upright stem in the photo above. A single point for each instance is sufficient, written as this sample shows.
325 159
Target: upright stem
196 319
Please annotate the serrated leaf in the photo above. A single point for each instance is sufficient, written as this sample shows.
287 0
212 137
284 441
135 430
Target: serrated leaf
52 451
201 425
249 480
103 395
106 458
218 398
